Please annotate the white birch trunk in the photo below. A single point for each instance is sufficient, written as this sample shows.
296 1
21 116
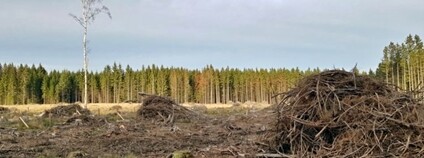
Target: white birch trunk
85 51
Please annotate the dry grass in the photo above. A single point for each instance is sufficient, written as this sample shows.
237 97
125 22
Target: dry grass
107 108
97 108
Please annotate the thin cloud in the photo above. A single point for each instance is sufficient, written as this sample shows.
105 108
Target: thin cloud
239 33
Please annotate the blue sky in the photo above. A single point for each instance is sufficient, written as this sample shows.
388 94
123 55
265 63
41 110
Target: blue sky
194 33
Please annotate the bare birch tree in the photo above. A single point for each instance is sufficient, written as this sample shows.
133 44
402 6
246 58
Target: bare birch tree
90 9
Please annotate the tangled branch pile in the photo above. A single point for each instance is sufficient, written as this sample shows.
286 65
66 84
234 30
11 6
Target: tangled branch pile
69 110
339 114
4 110
161 108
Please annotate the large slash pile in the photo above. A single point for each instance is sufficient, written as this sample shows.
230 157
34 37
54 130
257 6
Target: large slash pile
340 114
66 111
162 108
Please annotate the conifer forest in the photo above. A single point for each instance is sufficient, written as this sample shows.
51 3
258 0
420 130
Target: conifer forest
402 65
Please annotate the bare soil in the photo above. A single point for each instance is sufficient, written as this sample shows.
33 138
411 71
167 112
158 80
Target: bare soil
224 132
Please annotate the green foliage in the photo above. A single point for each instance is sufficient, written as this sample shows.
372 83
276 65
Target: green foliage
403 64
28 85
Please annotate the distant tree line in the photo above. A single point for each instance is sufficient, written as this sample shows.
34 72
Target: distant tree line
23 84
402 64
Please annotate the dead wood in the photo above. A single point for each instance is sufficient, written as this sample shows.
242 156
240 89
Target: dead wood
339 114
164 109
22 120
4 110
66 111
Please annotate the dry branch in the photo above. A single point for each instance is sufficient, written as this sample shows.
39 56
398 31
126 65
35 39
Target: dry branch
162 108
66 111
337 112
120 115
22 120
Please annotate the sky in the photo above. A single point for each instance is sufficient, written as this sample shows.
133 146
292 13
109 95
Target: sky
196 33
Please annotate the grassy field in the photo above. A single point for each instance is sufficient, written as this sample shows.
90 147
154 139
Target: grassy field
96 108
106 108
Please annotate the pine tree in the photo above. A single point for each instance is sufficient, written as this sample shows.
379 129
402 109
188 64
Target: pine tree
105 84
11 84
64 87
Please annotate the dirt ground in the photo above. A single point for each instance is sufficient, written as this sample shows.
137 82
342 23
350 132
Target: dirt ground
219 132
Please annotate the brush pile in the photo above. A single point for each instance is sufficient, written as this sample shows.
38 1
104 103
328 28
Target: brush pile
162 108
66 111
4 110
340 114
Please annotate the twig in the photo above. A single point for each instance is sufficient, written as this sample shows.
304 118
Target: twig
322 130
261 143
347 155
173 113
376 137
311 123
120 115
354 79
407 144
405 123
163 117
26 125
318 94
169 119
368 152
232 150
42 114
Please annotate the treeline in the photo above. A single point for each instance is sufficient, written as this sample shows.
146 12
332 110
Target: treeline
403 64
25 84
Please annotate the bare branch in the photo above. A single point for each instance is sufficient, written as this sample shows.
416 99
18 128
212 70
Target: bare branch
106 11
96 11
78 20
